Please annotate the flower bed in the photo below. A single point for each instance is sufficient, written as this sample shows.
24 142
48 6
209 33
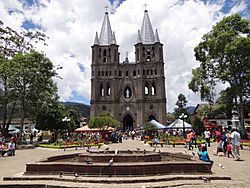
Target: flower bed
69 145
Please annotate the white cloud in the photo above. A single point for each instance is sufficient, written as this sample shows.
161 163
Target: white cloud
71 27
241 6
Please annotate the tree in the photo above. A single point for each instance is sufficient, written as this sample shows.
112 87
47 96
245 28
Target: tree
200 82
74 114
224 56
103 121
11 43
56 118
198 126
31 79
181 103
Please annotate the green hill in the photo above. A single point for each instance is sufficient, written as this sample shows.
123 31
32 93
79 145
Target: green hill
83 108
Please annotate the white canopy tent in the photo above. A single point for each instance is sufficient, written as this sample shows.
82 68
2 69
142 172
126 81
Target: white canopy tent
157 124
178 124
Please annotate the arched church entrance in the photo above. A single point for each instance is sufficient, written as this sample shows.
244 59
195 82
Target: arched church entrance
151 117
127 123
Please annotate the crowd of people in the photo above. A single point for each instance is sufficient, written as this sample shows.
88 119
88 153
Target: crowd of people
8 149
228 143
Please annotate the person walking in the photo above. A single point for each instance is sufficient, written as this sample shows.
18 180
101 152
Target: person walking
229 150
235 139
207 135
219 141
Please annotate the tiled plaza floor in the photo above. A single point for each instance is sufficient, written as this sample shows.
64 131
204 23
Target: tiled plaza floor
239 171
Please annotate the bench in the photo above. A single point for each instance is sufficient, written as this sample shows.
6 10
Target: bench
178 142
245 143
160 142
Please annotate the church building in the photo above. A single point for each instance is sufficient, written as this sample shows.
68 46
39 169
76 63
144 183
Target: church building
134 92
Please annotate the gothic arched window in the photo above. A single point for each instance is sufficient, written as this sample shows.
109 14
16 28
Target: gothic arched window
109 51
108 90
148 55
101 90
115 56
153 89
104 52
143 52
137 54
134 73
146 89
160 53
93 55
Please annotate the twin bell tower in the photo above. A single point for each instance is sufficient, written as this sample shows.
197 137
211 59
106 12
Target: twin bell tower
134 92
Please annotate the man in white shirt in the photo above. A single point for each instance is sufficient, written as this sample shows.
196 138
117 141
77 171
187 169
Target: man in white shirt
207 135
235 138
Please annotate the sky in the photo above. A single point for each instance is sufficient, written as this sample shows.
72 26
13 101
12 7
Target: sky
71 27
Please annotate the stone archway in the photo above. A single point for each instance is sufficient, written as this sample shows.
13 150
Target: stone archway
151 117
127 123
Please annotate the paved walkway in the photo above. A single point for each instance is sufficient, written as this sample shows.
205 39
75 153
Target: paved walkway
239 171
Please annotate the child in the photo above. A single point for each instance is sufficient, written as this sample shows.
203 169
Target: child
229 150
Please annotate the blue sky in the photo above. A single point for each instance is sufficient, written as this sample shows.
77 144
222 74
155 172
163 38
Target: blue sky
71 27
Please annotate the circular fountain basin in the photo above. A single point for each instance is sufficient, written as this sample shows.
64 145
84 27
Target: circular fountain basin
126 163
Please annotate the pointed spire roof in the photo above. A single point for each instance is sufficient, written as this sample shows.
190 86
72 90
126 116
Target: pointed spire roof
147 34
156 36
139 37
96 39
106 32
113 38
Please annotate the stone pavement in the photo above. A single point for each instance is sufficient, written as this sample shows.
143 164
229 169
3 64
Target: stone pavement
239 171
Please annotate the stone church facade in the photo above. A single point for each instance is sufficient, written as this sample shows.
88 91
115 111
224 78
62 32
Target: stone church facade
133 92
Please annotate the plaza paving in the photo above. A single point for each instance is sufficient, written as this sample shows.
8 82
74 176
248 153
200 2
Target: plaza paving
239 171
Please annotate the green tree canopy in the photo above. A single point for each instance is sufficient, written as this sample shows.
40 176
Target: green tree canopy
181 105
103 121
11 44
224 57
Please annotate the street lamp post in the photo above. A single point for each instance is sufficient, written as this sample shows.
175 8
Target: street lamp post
235 118
183 116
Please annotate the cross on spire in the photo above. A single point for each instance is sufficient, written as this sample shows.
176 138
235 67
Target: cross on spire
145 5
106 7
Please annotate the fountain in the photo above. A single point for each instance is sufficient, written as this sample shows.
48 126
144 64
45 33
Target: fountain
125 163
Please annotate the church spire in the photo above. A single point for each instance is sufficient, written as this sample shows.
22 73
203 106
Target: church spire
156 36
139 37
106 32
96 39
147 34
113 38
